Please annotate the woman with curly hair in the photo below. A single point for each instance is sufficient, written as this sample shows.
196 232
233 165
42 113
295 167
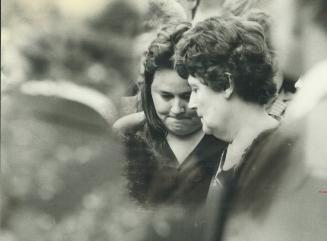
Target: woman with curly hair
170 159
230 70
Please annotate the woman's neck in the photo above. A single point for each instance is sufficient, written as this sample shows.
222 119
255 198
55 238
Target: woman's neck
182 146
251 125
250 118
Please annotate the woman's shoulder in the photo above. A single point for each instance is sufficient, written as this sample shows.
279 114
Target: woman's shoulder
129 124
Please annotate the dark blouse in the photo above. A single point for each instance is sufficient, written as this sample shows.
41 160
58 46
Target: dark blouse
155 177
231 198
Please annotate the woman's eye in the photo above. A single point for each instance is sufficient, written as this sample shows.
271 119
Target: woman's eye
194 90
166 96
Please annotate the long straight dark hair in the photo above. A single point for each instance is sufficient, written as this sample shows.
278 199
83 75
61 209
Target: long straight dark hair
155 131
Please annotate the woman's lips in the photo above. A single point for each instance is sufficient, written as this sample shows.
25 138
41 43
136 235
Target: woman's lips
181 117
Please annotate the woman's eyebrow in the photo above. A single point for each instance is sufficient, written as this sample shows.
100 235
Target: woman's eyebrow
165 92
179 94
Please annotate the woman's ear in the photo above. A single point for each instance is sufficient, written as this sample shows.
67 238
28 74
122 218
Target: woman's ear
230 89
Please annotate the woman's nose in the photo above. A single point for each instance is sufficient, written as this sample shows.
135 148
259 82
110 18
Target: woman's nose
192 103
178 106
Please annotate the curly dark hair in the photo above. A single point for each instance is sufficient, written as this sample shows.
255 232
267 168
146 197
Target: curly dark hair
160 55
224 47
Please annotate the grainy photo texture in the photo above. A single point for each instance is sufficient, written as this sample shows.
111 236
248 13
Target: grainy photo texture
152 120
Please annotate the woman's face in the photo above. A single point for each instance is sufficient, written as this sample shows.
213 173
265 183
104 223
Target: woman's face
213 109
170 94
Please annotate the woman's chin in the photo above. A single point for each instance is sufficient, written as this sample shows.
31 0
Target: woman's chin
206 129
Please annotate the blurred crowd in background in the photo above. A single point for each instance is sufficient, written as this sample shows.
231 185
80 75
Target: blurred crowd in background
64 67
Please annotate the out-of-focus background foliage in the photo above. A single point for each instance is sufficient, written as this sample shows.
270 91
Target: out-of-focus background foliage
62 63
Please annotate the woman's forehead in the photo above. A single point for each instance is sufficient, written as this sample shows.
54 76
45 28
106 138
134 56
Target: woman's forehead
169 81
193 81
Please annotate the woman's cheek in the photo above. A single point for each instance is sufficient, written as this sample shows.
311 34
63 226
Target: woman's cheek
162 106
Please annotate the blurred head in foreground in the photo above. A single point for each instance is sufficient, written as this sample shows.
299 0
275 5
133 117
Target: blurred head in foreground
60 161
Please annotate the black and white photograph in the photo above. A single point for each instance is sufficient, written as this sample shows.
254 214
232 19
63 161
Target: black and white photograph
163 120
